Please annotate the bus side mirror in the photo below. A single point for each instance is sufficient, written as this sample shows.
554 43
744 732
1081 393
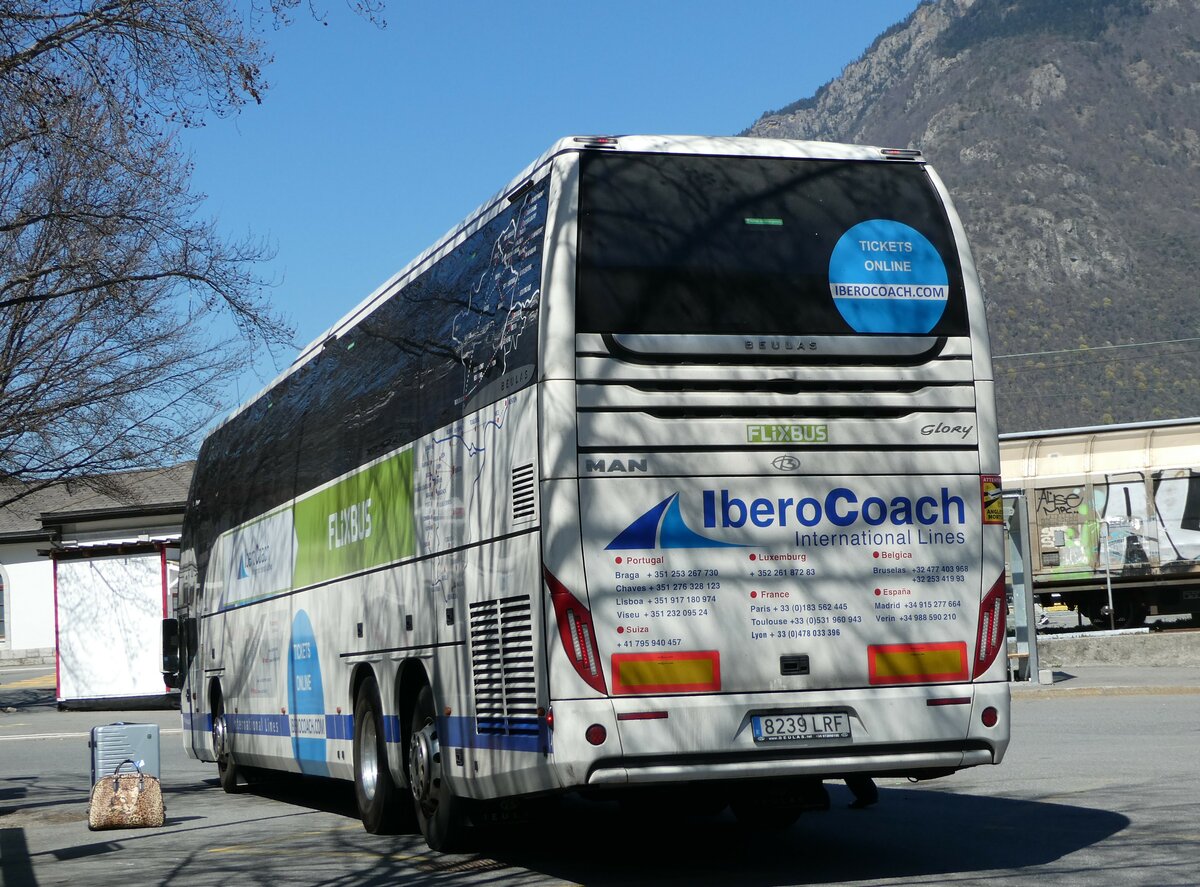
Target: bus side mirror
171 672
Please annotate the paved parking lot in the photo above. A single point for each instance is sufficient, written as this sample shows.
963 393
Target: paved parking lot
1095 790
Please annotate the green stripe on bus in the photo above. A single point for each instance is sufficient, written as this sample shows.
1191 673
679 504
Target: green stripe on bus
361 522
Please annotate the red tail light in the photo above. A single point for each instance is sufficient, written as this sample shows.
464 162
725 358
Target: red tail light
993 613
577 633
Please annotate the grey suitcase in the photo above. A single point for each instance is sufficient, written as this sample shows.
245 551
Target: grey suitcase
113 743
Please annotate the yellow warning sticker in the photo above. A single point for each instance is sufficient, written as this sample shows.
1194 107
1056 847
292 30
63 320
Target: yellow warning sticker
993 505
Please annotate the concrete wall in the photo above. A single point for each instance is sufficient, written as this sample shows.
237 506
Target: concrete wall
1156 649
44 656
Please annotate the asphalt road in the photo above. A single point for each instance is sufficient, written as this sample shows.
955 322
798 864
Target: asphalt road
1097 789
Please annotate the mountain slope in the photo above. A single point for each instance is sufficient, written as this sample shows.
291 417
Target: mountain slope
1068 132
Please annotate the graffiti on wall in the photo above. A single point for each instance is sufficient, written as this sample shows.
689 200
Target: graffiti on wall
1142 523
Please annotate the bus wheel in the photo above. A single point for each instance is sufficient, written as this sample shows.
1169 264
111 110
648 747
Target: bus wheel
439 813
227 768
374 791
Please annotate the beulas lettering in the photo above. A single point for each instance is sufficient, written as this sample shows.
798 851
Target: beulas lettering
779 343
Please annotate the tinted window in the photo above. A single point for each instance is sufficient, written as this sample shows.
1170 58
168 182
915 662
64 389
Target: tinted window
459 336
743 245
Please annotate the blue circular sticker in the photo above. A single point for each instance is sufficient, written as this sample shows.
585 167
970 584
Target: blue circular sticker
886 277
306 699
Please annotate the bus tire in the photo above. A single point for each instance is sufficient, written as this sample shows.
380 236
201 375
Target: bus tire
375 794
227 768
439 813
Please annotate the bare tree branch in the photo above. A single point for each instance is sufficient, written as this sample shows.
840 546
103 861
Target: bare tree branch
111 281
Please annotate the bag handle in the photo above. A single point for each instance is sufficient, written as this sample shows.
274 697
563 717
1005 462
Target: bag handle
117 774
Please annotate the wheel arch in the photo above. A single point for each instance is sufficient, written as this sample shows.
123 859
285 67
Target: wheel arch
215 692
410 678
409 681
361 673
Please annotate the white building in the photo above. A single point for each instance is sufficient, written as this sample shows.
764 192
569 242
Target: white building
121 514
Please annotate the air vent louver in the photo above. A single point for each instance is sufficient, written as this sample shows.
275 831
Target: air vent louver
524 494
502 666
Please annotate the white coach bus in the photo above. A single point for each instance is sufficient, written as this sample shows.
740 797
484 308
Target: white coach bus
672 466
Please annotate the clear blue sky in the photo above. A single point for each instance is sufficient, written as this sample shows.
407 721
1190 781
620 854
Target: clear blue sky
371 144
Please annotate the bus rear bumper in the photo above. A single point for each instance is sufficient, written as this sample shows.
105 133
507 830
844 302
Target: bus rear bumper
915 731
826 766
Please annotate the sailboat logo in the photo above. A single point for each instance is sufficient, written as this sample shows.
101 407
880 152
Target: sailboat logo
663 527
253 561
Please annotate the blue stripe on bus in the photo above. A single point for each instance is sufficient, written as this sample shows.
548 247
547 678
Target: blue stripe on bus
498 734
339 726
502 734
391 729
190 722
259 725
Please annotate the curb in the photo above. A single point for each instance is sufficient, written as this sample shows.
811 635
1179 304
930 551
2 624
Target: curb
1049 691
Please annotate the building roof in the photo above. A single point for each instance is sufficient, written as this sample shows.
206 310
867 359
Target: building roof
151 491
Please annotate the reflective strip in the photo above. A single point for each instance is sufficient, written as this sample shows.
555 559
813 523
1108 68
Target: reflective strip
917 663
684 672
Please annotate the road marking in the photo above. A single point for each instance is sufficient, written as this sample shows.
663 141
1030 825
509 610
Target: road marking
39 682
20 736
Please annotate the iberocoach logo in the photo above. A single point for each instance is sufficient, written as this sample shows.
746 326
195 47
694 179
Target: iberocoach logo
663 527
254 560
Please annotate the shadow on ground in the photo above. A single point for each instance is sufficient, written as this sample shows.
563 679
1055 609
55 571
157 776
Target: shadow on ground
922 834
26 698
911 833
917 833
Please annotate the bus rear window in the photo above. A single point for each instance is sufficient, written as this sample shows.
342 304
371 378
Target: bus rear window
768 246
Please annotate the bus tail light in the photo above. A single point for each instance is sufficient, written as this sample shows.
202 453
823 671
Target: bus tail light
596 141
992 624
577 633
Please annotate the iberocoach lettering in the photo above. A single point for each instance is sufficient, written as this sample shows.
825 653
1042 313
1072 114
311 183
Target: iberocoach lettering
841 507
889 291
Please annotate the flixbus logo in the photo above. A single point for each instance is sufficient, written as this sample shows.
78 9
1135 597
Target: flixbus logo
793 434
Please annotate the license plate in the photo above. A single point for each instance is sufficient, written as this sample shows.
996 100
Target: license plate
795 727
